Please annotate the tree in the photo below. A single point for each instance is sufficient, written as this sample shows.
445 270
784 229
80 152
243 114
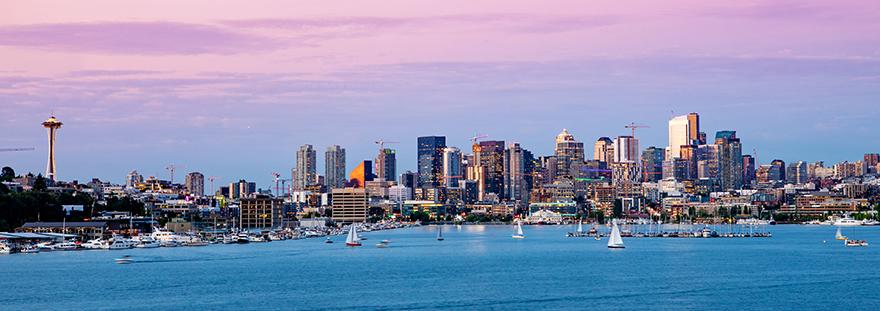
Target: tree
8 174
40 183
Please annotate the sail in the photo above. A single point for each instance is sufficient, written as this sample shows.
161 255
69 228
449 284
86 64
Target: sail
580 227
352 236
839 235
615 240
519 230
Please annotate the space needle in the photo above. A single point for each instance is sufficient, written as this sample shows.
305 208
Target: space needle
52 125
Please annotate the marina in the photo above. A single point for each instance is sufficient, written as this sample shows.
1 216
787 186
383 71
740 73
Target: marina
665 274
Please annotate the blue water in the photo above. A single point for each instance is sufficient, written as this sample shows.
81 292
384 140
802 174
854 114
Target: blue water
477 267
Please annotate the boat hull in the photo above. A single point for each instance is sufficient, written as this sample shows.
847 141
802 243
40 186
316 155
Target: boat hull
352 244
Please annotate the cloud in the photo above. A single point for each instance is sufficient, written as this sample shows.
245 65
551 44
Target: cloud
150 38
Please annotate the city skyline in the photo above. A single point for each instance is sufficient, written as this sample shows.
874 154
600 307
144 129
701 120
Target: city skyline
209 90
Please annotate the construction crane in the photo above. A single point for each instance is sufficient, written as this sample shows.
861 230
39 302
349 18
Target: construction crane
277 179
15 149
382 142
211 178
171 168
633 126
478 137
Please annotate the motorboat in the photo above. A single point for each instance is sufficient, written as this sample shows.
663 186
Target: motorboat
145 241
96 244
870 222
328 240
5 249
847 222
856 243
166 238
124 260
242 238
30 249
118 242
66 246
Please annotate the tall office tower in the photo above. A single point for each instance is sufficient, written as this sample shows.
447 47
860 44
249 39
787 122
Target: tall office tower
701 138
430 153
52 125
679 135
567 151
730 160
410 180
451 167
694 129
234 191
305 172
515 162
361 174
708 162
690 155
334 167
778 172
386 165
603 151
764 174
195 184
748 169
626 149
133 178
490 160
796 173
652 164
872 160
548 169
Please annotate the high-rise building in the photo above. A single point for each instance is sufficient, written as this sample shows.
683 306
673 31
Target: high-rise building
730 160
748 169
872 160
350 205
334 167
195 184
708 159
516 187
694 129
411 181
652 164
430 158
451 167
778 172
52 125
679 135
603 151
490 160
626 149
361 174
306 168
567 151
796 173
133 178
261 212
386 165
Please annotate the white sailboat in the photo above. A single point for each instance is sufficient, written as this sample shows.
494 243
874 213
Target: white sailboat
615 241
352 239
580 227
519 231
839 236
440 233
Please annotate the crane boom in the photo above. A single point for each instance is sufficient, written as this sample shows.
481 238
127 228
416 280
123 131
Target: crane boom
16 149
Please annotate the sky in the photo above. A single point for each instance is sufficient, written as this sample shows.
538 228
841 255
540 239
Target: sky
232 88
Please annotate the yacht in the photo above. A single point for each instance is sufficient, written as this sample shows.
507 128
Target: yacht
870 222
66 246
166 238
847 222
30 249
119 242
5 249
96 244
242 238
145 241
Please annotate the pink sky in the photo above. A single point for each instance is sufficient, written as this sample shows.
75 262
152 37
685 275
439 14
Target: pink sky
243 68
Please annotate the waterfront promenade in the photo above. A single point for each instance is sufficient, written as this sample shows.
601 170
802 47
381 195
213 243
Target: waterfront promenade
476 267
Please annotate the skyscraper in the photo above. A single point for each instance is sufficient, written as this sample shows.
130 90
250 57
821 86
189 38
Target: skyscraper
679 135
430 160
652 164
195 184
626 149
491 163
386 165
748 169
567 151
305 172
515 187
334 167
451 167
796 173
778 172
730 160
694 129
872 160
52 125
361 174
603 151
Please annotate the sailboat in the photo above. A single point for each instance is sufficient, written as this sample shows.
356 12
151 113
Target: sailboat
839 236
615 241
440 233
519 232
352 239
580 230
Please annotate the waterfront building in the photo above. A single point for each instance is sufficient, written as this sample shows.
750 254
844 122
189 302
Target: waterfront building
52 125
430 161
361 174
386 165
334 167
305 171
796 173
652 164
451 167
350 205
603 151
195 184
261 212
